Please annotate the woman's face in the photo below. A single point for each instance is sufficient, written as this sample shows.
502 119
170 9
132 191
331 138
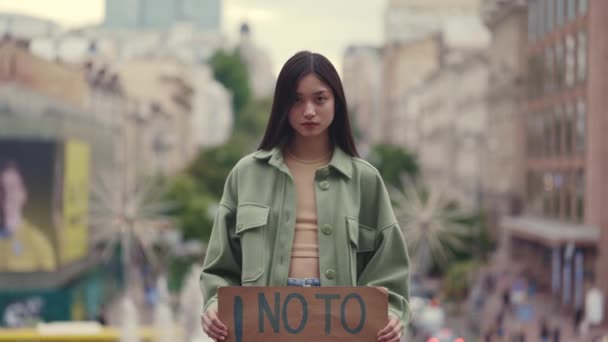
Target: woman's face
313 110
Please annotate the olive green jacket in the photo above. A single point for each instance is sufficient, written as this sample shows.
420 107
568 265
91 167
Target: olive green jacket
360 242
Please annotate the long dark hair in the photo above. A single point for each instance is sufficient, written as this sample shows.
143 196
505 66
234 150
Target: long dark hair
278 130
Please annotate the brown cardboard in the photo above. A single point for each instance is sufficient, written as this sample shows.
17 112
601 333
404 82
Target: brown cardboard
306 312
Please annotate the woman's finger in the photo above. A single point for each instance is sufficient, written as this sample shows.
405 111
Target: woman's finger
216 320
390 326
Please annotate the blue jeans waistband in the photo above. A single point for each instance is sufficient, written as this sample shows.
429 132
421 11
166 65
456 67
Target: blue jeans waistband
304 282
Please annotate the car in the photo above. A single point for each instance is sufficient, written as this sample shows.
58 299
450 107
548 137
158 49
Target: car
445 335
428 317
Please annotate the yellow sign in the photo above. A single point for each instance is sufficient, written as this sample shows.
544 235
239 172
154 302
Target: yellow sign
74 235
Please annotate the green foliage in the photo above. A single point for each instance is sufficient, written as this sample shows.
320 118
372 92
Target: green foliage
178 269
392 162
202 183
458 280
478 238
190 207
251 122
230 70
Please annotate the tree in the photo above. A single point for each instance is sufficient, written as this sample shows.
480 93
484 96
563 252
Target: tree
230 70
191 208
392 162
435 229
251 121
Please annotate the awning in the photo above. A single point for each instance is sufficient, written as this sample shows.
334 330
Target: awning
551 232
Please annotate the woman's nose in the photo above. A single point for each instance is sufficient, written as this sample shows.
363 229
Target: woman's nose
309 111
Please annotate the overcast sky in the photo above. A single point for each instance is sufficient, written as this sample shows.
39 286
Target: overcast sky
281 27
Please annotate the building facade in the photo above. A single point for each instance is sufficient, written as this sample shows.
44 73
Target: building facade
443 120
417 34
404 64
162 14
259 66
561 236
503 173
458 20
362 70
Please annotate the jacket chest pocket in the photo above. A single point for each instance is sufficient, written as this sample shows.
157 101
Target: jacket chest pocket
362 240
251 221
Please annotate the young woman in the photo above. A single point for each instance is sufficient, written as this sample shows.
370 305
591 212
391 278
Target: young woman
305 210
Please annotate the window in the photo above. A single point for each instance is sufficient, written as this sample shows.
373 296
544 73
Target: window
570 60
536 71
569 127
532 23
535 193
582 56
558 183
540 12
550 14
530 136
581 126
534 141
571 9
567 214
559 65
558 130
538 135
547 194
580 195
549 85
547 134
559 13
583 7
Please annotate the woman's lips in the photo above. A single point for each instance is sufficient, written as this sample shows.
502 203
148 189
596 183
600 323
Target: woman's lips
310 124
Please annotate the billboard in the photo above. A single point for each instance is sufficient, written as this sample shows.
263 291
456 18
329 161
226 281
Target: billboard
43 204
73 235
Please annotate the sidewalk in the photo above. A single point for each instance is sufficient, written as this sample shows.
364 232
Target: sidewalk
540 306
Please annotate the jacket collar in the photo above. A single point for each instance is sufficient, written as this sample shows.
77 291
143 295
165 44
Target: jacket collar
340 161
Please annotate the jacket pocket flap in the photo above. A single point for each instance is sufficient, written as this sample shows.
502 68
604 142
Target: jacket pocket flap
363 237
250 216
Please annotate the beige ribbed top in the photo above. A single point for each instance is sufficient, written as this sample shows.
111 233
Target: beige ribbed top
305 250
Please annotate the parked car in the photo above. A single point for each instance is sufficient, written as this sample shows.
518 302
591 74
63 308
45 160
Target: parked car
445 335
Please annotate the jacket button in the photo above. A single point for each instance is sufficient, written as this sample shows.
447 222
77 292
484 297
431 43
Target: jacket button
330 273
327 229
324 185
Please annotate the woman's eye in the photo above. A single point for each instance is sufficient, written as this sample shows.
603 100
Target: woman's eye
321 99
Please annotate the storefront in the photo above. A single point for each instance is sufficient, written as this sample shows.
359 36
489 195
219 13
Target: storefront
559 257
78 299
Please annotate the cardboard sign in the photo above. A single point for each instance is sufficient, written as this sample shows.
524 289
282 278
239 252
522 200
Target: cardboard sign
278 314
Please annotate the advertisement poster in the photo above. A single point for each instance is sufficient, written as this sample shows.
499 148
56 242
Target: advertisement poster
44 204
73 235
27 197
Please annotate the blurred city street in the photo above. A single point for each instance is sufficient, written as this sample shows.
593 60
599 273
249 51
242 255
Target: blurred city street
120 121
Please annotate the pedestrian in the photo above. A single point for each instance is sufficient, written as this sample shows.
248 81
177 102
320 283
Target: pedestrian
506 300
544 331
556 334
500 324
306 177
578 319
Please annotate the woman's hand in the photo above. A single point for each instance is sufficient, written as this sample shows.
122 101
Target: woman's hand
392 332
213 327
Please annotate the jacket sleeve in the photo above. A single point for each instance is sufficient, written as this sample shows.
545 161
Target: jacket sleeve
388 264
222 266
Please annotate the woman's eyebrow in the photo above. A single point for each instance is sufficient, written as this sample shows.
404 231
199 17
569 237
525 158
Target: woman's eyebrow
319 92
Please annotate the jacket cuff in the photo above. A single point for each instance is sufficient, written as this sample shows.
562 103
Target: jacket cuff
211 304
404 316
